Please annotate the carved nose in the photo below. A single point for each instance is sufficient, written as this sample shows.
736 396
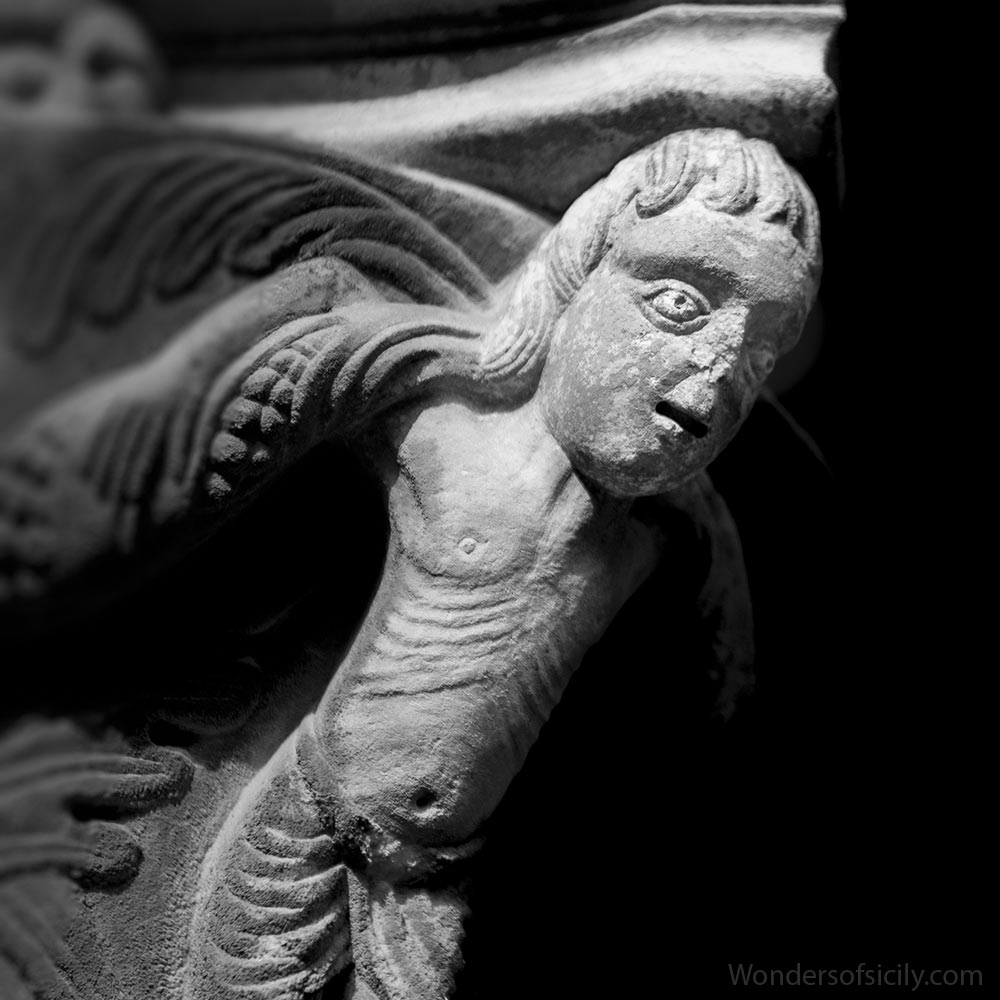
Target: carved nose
690 404
695 396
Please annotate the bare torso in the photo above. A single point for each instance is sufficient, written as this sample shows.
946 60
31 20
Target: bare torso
503 569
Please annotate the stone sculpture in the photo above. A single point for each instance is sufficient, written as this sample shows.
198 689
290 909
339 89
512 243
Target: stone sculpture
539 405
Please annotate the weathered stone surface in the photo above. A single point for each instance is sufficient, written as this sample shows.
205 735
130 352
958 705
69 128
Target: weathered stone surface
515 399
342 410
262 30
541 121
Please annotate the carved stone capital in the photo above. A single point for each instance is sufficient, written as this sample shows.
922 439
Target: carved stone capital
343 410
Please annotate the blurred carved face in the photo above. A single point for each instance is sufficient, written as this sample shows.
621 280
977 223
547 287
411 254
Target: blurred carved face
657 360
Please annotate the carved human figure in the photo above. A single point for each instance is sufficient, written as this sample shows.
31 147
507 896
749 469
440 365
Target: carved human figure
514 541
527 446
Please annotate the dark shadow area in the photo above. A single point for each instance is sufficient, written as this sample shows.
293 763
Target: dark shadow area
265 32
839 818
301 562
646 842
646 848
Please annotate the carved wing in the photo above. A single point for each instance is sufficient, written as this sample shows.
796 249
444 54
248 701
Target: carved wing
723 599
237 302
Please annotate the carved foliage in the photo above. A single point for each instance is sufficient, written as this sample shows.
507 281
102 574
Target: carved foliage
150 211
63 807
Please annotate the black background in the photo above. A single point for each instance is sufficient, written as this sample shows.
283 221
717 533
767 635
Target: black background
840 817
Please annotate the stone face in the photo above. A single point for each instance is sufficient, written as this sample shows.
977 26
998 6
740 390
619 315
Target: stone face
201 329
82 54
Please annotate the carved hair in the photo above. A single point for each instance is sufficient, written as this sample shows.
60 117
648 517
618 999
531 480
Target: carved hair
719 168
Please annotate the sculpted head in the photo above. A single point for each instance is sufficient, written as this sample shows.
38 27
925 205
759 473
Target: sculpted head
652 314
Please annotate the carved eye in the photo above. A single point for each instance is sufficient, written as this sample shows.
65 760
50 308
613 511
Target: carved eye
681 305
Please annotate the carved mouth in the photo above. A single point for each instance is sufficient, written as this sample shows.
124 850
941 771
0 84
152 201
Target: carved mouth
687 421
